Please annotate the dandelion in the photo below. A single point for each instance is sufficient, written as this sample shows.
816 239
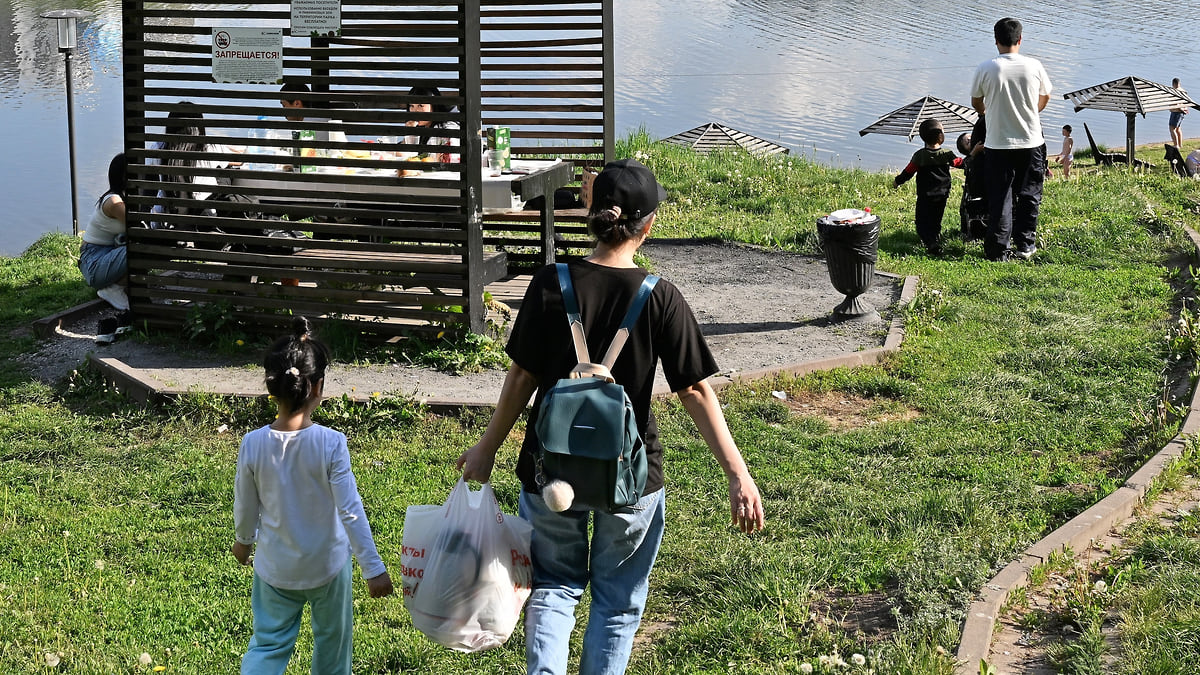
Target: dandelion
239 343
145 659
375 394
159 669
941 650
52 659
823 660
99 565
806 668
858 660
1100 587
66 533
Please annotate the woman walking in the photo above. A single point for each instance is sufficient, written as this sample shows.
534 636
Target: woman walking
617 558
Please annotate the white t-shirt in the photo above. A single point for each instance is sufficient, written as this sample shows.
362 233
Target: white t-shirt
101 229
295 493
1010 85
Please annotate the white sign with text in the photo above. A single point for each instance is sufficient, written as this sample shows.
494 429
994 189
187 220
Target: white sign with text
316 18
247 55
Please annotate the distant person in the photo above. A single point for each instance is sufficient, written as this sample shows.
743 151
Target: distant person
1066 156
1176 120
449 140
296 505
1193 162
931 165
102 256
291 102
1012 89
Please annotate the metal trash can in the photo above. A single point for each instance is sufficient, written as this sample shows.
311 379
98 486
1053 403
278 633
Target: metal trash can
850 240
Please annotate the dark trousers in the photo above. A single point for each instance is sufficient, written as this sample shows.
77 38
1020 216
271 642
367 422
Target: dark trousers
929 218
1014 190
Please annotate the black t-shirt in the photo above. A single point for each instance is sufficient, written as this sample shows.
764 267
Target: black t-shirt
666 330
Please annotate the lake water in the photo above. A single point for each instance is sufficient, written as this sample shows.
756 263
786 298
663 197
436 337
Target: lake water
805 73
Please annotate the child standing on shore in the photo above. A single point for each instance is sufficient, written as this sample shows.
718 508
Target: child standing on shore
296 496
931 165
1067 154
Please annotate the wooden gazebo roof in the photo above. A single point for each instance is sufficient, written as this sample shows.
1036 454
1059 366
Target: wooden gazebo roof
906 120
1130 95
712 136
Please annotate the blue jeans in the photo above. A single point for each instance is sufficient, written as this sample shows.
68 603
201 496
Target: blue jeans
277 614
617 562
102 266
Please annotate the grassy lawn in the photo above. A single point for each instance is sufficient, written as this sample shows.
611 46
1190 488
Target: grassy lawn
1029 390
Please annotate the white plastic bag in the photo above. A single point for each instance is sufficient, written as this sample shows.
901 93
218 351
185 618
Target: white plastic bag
466 570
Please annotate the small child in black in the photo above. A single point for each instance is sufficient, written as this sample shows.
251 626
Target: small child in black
931 164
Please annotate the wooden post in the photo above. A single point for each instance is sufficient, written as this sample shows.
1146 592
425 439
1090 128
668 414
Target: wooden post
1129 123
471 157
610 69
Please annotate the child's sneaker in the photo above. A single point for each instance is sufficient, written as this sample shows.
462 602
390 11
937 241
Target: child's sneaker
1025 253
115 296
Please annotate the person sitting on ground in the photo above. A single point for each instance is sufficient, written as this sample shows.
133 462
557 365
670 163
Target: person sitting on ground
931 165
1193 162
102 257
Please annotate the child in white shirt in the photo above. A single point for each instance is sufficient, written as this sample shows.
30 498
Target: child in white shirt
296 501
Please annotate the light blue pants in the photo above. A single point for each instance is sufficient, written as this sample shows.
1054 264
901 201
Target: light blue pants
102 266
616 562
277 614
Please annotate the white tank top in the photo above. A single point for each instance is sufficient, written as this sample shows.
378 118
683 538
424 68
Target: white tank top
101 229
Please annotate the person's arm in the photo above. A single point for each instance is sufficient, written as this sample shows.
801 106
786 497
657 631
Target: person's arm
1043 99
114 207
354 521
902 178
477 462
246 506
977 104
745 504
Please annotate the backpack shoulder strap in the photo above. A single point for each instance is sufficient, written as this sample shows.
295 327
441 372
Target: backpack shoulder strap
571 305
631 317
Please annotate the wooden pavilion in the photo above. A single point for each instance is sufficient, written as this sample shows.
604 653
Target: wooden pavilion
384 254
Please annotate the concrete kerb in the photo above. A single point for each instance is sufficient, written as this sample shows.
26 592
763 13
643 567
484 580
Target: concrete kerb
1078 534
144 388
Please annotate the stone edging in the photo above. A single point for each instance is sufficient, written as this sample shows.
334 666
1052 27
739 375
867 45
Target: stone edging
1077 535
143 388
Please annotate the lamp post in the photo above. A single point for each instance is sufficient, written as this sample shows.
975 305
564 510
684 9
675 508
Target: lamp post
67 30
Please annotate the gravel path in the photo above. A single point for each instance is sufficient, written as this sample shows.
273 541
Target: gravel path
758 308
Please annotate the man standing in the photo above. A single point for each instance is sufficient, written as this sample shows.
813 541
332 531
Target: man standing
1177 117
1012 89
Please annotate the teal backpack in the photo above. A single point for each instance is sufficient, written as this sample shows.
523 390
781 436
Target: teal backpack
587 432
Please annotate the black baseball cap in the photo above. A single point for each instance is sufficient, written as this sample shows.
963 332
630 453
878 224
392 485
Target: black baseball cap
627 183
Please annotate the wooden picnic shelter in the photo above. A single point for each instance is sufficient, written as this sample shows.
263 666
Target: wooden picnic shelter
383 253
1130 95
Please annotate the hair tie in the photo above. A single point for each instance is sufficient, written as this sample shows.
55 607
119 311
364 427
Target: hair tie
293 371
616 211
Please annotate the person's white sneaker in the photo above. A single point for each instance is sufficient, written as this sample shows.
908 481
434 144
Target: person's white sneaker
1025 254
115 296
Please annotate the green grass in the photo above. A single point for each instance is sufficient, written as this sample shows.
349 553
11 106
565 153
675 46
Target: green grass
1037 388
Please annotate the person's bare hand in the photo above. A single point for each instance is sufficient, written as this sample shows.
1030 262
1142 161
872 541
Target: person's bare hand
476 464
745 505
241 552
380 586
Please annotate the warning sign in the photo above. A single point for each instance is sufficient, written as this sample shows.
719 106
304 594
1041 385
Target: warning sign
316 18
247 55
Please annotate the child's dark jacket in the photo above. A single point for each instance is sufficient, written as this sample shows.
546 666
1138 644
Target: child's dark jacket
932 168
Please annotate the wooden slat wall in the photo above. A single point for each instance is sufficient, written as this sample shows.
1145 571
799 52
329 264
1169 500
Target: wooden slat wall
411 272
547 74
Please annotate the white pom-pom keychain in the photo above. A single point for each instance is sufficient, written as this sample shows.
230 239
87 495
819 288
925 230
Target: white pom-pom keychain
558 495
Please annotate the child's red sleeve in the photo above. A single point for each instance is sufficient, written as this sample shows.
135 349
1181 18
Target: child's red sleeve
908 172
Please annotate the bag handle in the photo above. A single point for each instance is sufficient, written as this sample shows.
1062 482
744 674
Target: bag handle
571 305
